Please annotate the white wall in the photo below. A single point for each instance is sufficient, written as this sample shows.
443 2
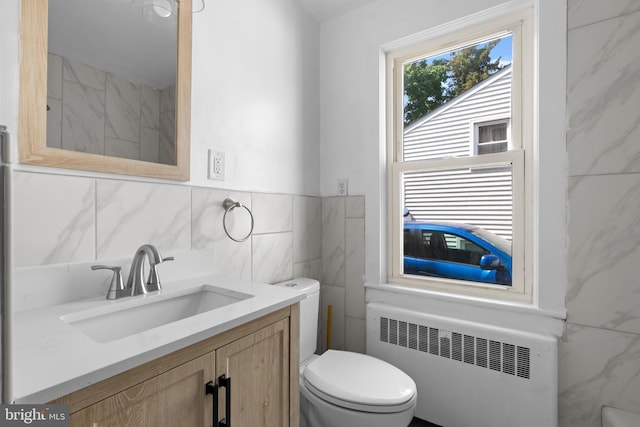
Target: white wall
352 123
255 95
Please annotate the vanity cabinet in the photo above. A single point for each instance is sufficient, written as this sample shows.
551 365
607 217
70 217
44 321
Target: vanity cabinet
260 358
174 398
258 366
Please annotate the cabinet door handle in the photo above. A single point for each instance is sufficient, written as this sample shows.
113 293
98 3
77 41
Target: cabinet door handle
224 381
212 388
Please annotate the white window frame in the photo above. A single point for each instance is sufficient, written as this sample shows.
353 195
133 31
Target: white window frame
520 25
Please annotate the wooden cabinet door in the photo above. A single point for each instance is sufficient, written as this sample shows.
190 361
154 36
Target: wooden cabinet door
174 398
258 366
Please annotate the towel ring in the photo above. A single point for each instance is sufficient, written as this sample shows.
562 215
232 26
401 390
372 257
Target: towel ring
229 204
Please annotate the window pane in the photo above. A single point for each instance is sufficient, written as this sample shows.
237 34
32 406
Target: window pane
478 196
495 132
492 138
446 93
492 147
459 217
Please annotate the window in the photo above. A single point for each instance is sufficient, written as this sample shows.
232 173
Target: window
491 137
460 127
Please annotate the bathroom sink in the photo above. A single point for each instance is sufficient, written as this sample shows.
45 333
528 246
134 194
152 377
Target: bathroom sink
132 316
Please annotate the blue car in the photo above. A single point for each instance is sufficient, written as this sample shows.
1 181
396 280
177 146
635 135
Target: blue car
456 251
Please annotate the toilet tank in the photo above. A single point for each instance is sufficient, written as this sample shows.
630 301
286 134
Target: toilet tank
308 313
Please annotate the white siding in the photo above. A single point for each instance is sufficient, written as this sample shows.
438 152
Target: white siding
480 197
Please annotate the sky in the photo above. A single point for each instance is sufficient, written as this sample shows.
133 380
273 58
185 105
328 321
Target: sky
502 49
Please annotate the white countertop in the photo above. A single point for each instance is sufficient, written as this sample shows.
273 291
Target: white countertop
51 358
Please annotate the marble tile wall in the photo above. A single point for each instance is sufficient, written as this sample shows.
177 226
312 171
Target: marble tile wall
343 273
97 112
599 356
63 223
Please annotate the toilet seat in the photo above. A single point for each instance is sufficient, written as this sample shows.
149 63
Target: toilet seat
359 382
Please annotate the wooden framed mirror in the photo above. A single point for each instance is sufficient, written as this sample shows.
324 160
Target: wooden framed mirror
33 103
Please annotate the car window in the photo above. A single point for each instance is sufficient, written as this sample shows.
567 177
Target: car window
447 247
413 245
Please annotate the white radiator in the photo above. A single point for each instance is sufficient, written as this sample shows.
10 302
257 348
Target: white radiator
469 374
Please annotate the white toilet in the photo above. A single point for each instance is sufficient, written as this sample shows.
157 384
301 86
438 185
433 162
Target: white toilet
341 388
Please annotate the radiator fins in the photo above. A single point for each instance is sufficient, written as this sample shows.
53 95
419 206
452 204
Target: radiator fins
482 352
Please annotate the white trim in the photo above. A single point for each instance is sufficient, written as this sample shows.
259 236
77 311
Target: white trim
523 316
500 13
548 174
520 289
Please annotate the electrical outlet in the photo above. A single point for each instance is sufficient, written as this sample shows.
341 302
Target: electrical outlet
215 169
343 187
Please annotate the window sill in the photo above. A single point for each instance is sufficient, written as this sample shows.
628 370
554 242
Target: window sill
514 315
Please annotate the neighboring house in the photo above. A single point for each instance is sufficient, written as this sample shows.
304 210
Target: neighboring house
474 123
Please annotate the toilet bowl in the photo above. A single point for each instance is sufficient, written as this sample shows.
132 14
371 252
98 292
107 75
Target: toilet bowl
341 388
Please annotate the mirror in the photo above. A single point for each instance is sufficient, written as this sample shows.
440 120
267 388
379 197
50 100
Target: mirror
117 141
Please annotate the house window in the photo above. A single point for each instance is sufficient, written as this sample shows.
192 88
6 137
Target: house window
457 214
491 137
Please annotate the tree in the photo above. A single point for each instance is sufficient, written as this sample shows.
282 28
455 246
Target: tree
424 87
470 66
428 85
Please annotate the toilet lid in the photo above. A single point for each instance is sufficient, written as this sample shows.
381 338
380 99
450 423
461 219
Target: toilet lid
356 380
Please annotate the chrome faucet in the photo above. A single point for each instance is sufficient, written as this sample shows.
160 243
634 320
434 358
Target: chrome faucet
116 289
136 283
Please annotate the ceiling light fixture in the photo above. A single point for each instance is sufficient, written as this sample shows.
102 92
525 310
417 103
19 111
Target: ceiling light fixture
161 13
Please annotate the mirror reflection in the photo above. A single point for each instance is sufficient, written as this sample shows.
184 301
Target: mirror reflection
111 78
